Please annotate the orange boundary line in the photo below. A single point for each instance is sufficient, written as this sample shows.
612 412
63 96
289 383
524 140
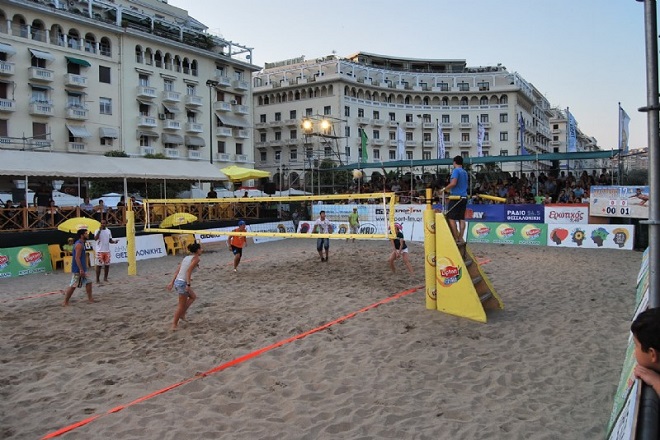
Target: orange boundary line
231 363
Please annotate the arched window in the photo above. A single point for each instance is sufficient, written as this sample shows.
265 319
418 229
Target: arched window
193 68
158 59
139 58
445 102
90 43
105 47
177 63
464 100
186 66
38 30
483 100
407 100
504 99
425 101
19 27
266 100
148 57
73 38
168 61
57 35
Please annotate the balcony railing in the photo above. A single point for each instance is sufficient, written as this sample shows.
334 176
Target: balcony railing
224 157
73 80
429 144
170 96
41 108
411 124
7 105
378 142
428 125
240 84
241 109
411 144
146 92
194 127
465 144
171 153
169 124
79 113
194 154
363 121
223 81
241 158
291 122
222 106
147 150
223 132
6 68
392 124
76 147
193 101
39 74
241 133
378 122
465 125
147 121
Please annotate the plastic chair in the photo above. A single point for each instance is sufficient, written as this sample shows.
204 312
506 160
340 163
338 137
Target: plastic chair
185 240
171 245
56 255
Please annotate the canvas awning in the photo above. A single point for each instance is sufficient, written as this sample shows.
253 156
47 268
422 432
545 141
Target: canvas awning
40 86
78 131
108 132
7 49
78 61
172 138
144 101
42 55
195 141
48 164
233 121
147 133
171 108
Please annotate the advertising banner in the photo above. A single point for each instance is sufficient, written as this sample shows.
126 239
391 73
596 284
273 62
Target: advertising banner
524 213
529 234
619 201
591 236
567 213
26 260
146 247
487 213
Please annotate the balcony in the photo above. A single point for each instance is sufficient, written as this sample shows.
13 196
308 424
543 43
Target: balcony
169 96
172 153
486 124
276 143
39 74
239 84
41 108
6 68
378 122
223 81
449 144
447 125
223 157
170 124
147 150
75 147
241 158
194 127
363 121
392 124
292 141
429 144
194 154
486 144
146 92
7 105
411 125
241 109
221 106
428 125
411 144
378 142
261 125
291 122
241 133
73 80
555 143
223 132
465 125
146 121
193 101
79 113
464 144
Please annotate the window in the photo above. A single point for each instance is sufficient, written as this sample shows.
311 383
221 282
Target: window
74 99
292 114
347 132
360 113
486 136
221 147
555 138
409 155
392 116
409 136
392 135
409 117
427 137
104 74
504 100
327 110
483 118
465 137
190 90
504 135
464 101
145 141
555 126
347 152
376 114
191 116
4 132
38 62
483 86
73 68
107 141
445 102
144 109
262 118
169 85
465 119
465 154
39 130
239 148
39 94
293 134
463 87
278 135
278 156
392 154
376 154
444 87
105 106
446 137
426 155
262 137
263 155
484 154
309 111
446 119
426 117
504 117
278 116
293 155
375 134
504 152
347 111
238 74
483 101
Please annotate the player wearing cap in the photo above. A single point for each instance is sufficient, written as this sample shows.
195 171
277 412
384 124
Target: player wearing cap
236 243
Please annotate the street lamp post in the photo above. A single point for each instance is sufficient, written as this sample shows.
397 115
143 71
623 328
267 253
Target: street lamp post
211 84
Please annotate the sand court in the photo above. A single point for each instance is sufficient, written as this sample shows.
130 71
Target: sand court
545 367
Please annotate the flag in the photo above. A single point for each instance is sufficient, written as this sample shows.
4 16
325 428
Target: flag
363 139
441 142
521 121
624 129
481 132
400 144
571 144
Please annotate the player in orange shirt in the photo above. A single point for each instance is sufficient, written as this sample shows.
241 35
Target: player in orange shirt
236 243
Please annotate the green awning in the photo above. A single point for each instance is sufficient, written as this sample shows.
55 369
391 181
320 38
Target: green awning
78 61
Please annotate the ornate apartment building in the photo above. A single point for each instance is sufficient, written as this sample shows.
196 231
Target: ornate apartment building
139 76
378 94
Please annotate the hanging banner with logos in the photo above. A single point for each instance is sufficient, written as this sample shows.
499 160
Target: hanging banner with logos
591 236
146 247
619 201
524 213
25 260
529 234
485 212
566 213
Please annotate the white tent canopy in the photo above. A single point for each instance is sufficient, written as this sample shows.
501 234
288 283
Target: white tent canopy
47 164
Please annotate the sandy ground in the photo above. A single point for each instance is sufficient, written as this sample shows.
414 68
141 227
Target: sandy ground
546 367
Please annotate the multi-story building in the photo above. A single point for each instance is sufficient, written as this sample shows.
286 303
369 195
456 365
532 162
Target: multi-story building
583 143
378 94
139 76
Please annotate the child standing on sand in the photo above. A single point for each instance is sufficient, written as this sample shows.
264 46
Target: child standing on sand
646 333
182 281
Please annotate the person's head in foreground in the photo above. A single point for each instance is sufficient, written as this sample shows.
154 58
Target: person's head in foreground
81 234
646 333
241 225
195 248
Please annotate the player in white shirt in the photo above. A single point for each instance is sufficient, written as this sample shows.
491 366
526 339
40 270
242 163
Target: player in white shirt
103 239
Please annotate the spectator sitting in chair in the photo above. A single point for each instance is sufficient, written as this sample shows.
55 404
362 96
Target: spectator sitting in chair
101 211
86 208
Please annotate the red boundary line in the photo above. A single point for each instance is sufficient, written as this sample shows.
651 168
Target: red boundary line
231 363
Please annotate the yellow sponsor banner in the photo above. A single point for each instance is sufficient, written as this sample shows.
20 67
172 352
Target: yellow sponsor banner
429 260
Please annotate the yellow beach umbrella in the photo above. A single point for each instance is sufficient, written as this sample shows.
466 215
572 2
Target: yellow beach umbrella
177 219
238 174
75 224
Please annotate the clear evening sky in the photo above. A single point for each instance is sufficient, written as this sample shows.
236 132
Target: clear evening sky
584 54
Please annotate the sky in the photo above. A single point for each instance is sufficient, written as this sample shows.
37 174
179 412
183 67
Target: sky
588 55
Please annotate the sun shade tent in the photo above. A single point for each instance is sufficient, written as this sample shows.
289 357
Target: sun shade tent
238 174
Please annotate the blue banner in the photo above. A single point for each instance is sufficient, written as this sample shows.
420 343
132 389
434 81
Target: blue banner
489 213
524 213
